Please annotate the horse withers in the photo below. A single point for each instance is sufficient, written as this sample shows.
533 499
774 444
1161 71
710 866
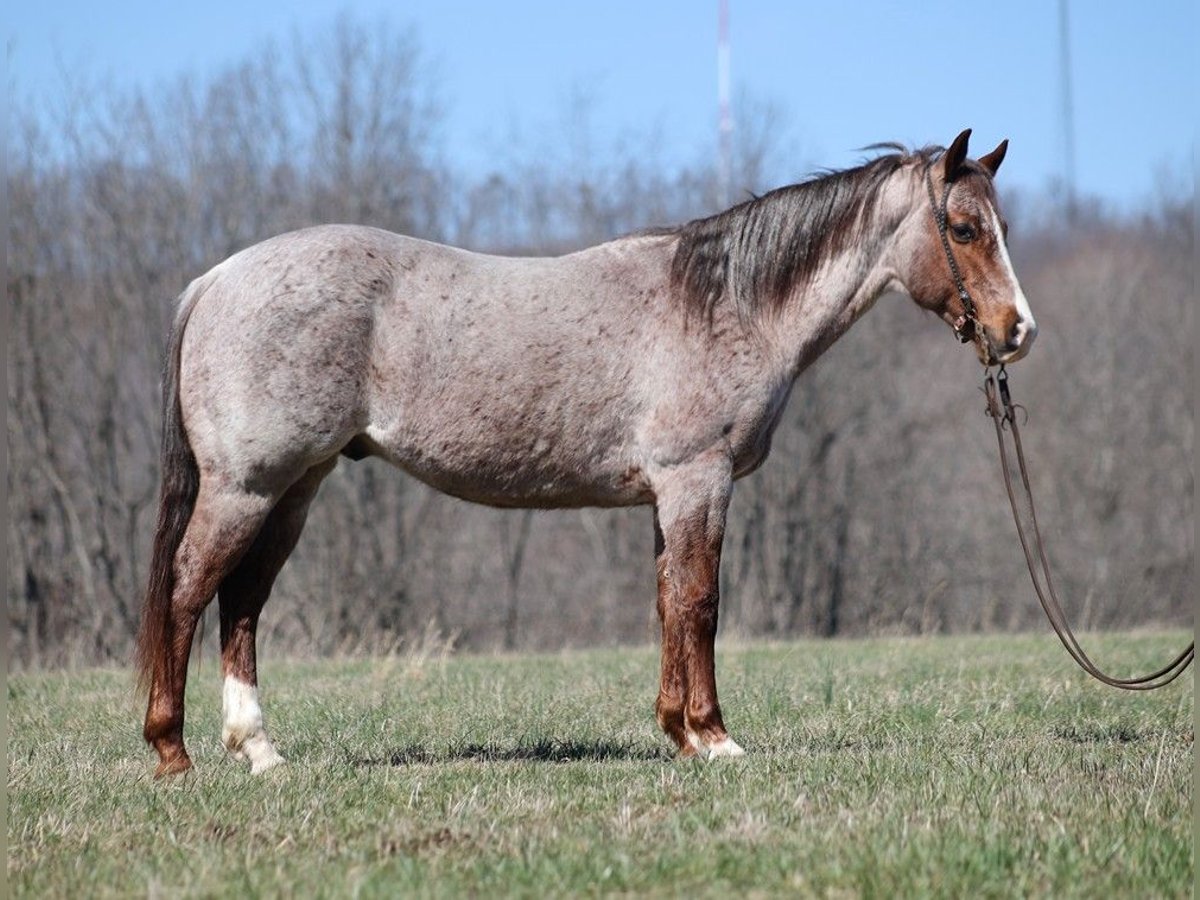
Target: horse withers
651 369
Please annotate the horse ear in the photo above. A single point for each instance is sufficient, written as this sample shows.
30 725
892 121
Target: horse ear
992 161
955 156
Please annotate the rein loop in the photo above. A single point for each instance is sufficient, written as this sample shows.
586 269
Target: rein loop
1003 412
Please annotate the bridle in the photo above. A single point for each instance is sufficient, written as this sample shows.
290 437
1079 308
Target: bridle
966 325
1001 408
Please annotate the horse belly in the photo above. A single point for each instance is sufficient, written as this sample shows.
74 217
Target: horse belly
510 466
505 433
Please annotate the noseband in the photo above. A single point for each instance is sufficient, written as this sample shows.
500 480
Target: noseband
966 325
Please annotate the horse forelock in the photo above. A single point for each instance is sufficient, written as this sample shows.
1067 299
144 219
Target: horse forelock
756 254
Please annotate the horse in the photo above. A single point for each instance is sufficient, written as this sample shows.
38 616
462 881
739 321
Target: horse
648 370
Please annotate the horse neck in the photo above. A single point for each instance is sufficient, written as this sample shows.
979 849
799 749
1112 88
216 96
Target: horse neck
849 282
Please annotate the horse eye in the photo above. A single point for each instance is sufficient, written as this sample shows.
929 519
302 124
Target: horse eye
963 233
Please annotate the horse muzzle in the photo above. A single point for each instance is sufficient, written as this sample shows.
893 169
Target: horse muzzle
991 348
1017 342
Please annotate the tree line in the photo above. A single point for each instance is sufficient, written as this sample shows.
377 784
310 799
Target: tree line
880 510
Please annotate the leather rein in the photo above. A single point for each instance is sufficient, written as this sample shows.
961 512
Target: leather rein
1003 412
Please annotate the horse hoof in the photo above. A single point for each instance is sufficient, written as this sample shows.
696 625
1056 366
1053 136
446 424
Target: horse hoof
266 763
727 747
259 750
174 765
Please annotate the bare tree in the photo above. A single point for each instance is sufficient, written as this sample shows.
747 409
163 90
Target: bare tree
879 510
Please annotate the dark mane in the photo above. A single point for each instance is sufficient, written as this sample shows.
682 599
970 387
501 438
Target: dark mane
756 253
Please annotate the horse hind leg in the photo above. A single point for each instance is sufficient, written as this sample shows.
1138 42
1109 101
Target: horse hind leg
241 597
223 524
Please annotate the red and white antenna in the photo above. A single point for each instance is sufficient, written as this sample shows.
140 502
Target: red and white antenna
1067 109
725 119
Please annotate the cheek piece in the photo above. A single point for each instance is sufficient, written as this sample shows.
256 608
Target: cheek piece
966 325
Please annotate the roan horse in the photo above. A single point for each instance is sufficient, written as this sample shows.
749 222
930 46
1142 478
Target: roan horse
651 369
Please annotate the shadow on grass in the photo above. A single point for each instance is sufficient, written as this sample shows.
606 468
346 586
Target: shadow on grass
1098 734
544 750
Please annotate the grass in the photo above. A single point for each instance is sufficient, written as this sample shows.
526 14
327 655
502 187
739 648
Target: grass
981 767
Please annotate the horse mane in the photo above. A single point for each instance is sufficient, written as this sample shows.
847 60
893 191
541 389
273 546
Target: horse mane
757 252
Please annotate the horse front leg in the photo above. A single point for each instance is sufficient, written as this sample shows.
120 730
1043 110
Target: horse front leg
672 687
690 511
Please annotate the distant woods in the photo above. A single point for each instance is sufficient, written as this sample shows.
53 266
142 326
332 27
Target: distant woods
880 509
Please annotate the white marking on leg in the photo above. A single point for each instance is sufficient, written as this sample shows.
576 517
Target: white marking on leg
242 731
727 747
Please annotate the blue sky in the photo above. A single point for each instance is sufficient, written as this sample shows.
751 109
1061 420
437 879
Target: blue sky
843 75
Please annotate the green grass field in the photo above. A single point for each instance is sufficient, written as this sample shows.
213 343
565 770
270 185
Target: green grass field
960 767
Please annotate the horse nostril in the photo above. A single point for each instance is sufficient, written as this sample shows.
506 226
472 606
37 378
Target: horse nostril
1016 335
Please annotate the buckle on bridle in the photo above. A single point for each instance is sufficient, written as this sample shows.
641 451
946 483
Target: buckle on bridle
1002 383
964 328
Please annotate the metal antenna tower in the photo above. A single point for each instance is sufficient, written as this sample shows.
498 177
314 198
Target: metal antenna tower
725 119
1068 109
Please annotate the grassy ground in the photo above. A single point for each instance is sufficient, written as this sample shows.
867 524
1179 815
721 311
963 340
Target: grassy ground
882 768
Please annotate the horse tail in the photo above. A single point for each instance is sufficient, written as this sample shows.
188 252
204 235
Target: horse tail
177 499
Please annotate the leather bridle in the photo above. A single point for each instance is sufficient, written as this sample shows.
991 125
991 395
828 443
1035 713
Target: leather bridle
966 325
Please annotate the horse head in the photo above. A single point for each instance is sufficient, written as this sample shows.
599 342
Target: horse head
957 255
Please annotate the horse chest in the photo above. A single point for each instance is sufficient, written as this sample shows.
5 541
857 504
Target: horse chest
750 444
